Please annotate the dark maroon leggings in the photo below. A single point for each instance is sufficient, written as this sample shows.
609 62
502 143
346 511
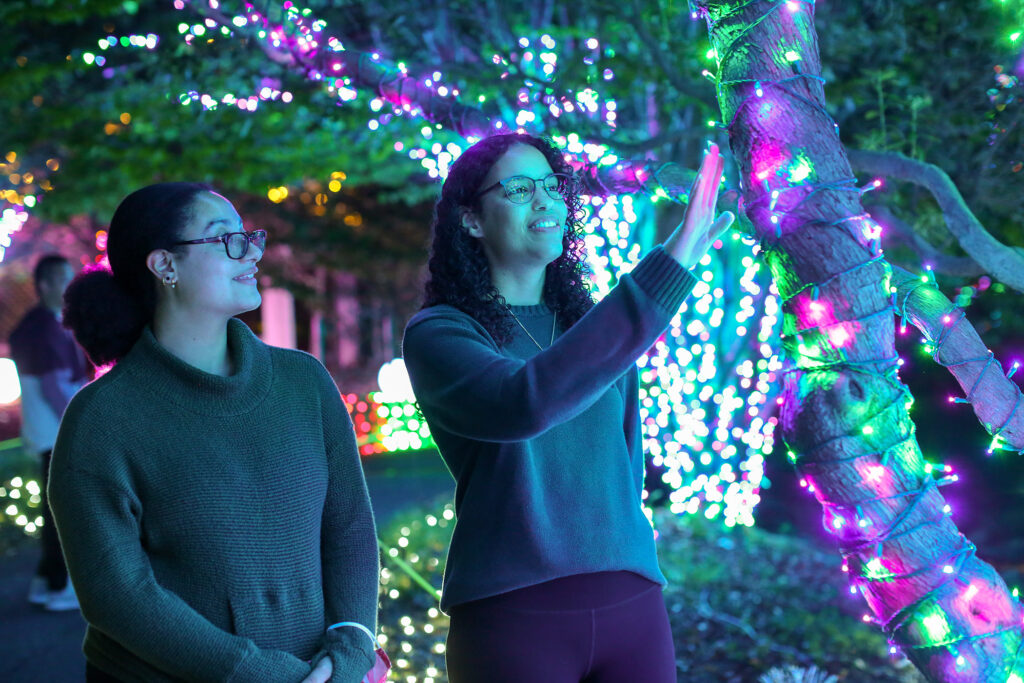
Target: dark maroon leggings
609 627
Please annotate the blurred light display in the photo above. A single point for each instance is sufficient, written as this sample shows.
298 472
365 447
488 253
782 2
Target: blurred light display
410 557
10 387
708 385
20 500
22 184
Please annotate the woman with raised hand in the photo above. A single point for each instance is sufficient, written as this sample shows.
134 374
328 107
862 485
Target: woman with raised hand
531 394
207 490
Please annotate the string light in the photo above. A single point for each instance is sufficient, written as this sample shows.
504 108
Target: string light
709 368
819 344
895 494
295 37
416 642
718 472
934 345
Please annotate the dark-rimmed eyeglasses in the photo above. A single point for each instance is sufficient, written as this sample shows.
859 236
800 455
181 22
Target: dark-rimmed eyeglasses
236 244
520 189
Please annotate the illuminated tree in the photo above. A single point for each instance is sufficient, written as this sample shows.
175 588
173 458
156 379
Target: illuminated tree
845 414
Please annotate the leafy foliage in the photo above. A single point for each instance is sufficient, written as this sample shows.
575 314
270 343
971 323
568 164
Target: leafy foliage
919 79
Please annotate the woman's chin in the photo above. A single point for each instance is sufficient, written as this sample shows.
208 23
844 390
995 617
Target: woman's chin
253 302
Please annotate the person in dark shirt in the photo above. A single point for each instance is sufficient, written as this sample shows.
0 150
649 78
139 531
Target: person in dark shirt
51 368
530 390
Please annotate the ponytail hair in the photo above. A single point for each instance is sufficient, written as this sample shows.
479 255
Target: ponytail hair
107 309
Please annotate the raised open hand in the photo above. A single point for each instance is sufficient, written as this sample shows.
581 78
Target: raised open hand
699 229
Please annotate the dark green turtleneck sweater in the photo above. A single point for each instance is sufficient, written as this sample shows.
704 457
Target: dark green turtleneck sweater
545 446
215 526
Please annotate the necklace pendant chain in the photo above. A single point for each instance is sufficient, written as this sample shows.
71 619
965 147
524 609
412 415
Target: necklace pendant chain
554 322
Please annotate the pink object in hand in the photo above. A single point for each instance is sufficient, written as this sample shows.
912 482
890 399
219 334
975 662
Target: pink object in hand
379 672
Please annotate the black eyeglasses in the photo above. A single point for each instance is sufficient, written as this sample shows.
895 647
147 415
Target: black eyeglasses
236 244
520 189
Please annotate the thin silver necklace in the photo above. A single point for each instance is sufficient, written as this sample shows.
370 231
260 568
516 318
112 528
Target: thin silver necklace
554 322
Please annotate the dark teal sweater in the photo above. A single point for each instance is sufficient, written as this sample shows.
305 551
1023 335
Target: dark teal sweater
215 526
545 446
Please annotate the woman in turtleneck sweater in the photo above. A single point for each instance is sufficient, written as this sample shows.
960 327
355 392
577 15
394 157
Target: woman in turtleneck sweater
207 490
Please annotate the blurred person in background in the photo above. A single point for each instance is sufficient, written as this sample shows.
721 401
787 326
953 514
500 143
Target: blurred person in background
51 368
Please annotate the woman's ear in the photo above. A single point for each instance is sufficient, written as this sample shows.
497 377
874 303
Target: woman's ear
161 263
470 223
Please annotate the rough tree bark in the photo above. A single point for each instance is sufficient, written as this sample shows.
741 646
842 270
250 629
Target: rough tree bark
845 411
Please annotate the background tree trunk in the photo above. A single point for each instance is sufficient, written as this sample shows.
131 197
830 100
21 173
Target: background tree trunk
845 411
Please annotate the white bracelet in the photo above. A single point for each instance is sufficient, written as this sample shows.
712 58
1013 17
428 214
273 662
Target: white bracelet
359 626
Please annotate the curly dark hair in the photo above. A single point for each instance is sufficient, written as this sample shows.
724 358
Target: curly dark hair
459 274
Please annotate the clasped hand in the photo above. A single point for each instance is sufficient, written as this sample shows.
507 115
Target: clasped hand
321 673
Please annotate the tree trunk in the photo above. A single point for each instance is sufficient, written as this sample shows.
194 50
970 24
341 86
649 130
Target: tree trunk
845 411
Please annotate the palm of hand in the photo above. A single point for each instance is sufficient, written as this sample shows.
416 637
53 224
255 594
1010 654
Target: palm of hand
699 229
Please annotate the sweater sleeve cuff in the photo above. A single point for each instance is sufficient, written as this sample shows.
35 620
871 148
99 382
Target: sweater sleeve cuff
663 279
351 653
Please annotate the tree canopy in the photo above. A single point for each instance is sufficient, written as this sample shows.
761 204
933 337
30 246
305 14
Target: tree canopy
105 96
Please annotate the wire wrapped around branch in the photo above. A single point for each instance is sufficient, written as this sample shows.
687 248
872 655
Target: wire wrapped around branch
955 345
1003 262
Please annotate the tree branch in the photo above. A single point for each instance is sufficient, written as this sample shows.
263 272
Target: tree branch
901 233
283 57
705 611
665 61
652 143
996 400
1001 261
